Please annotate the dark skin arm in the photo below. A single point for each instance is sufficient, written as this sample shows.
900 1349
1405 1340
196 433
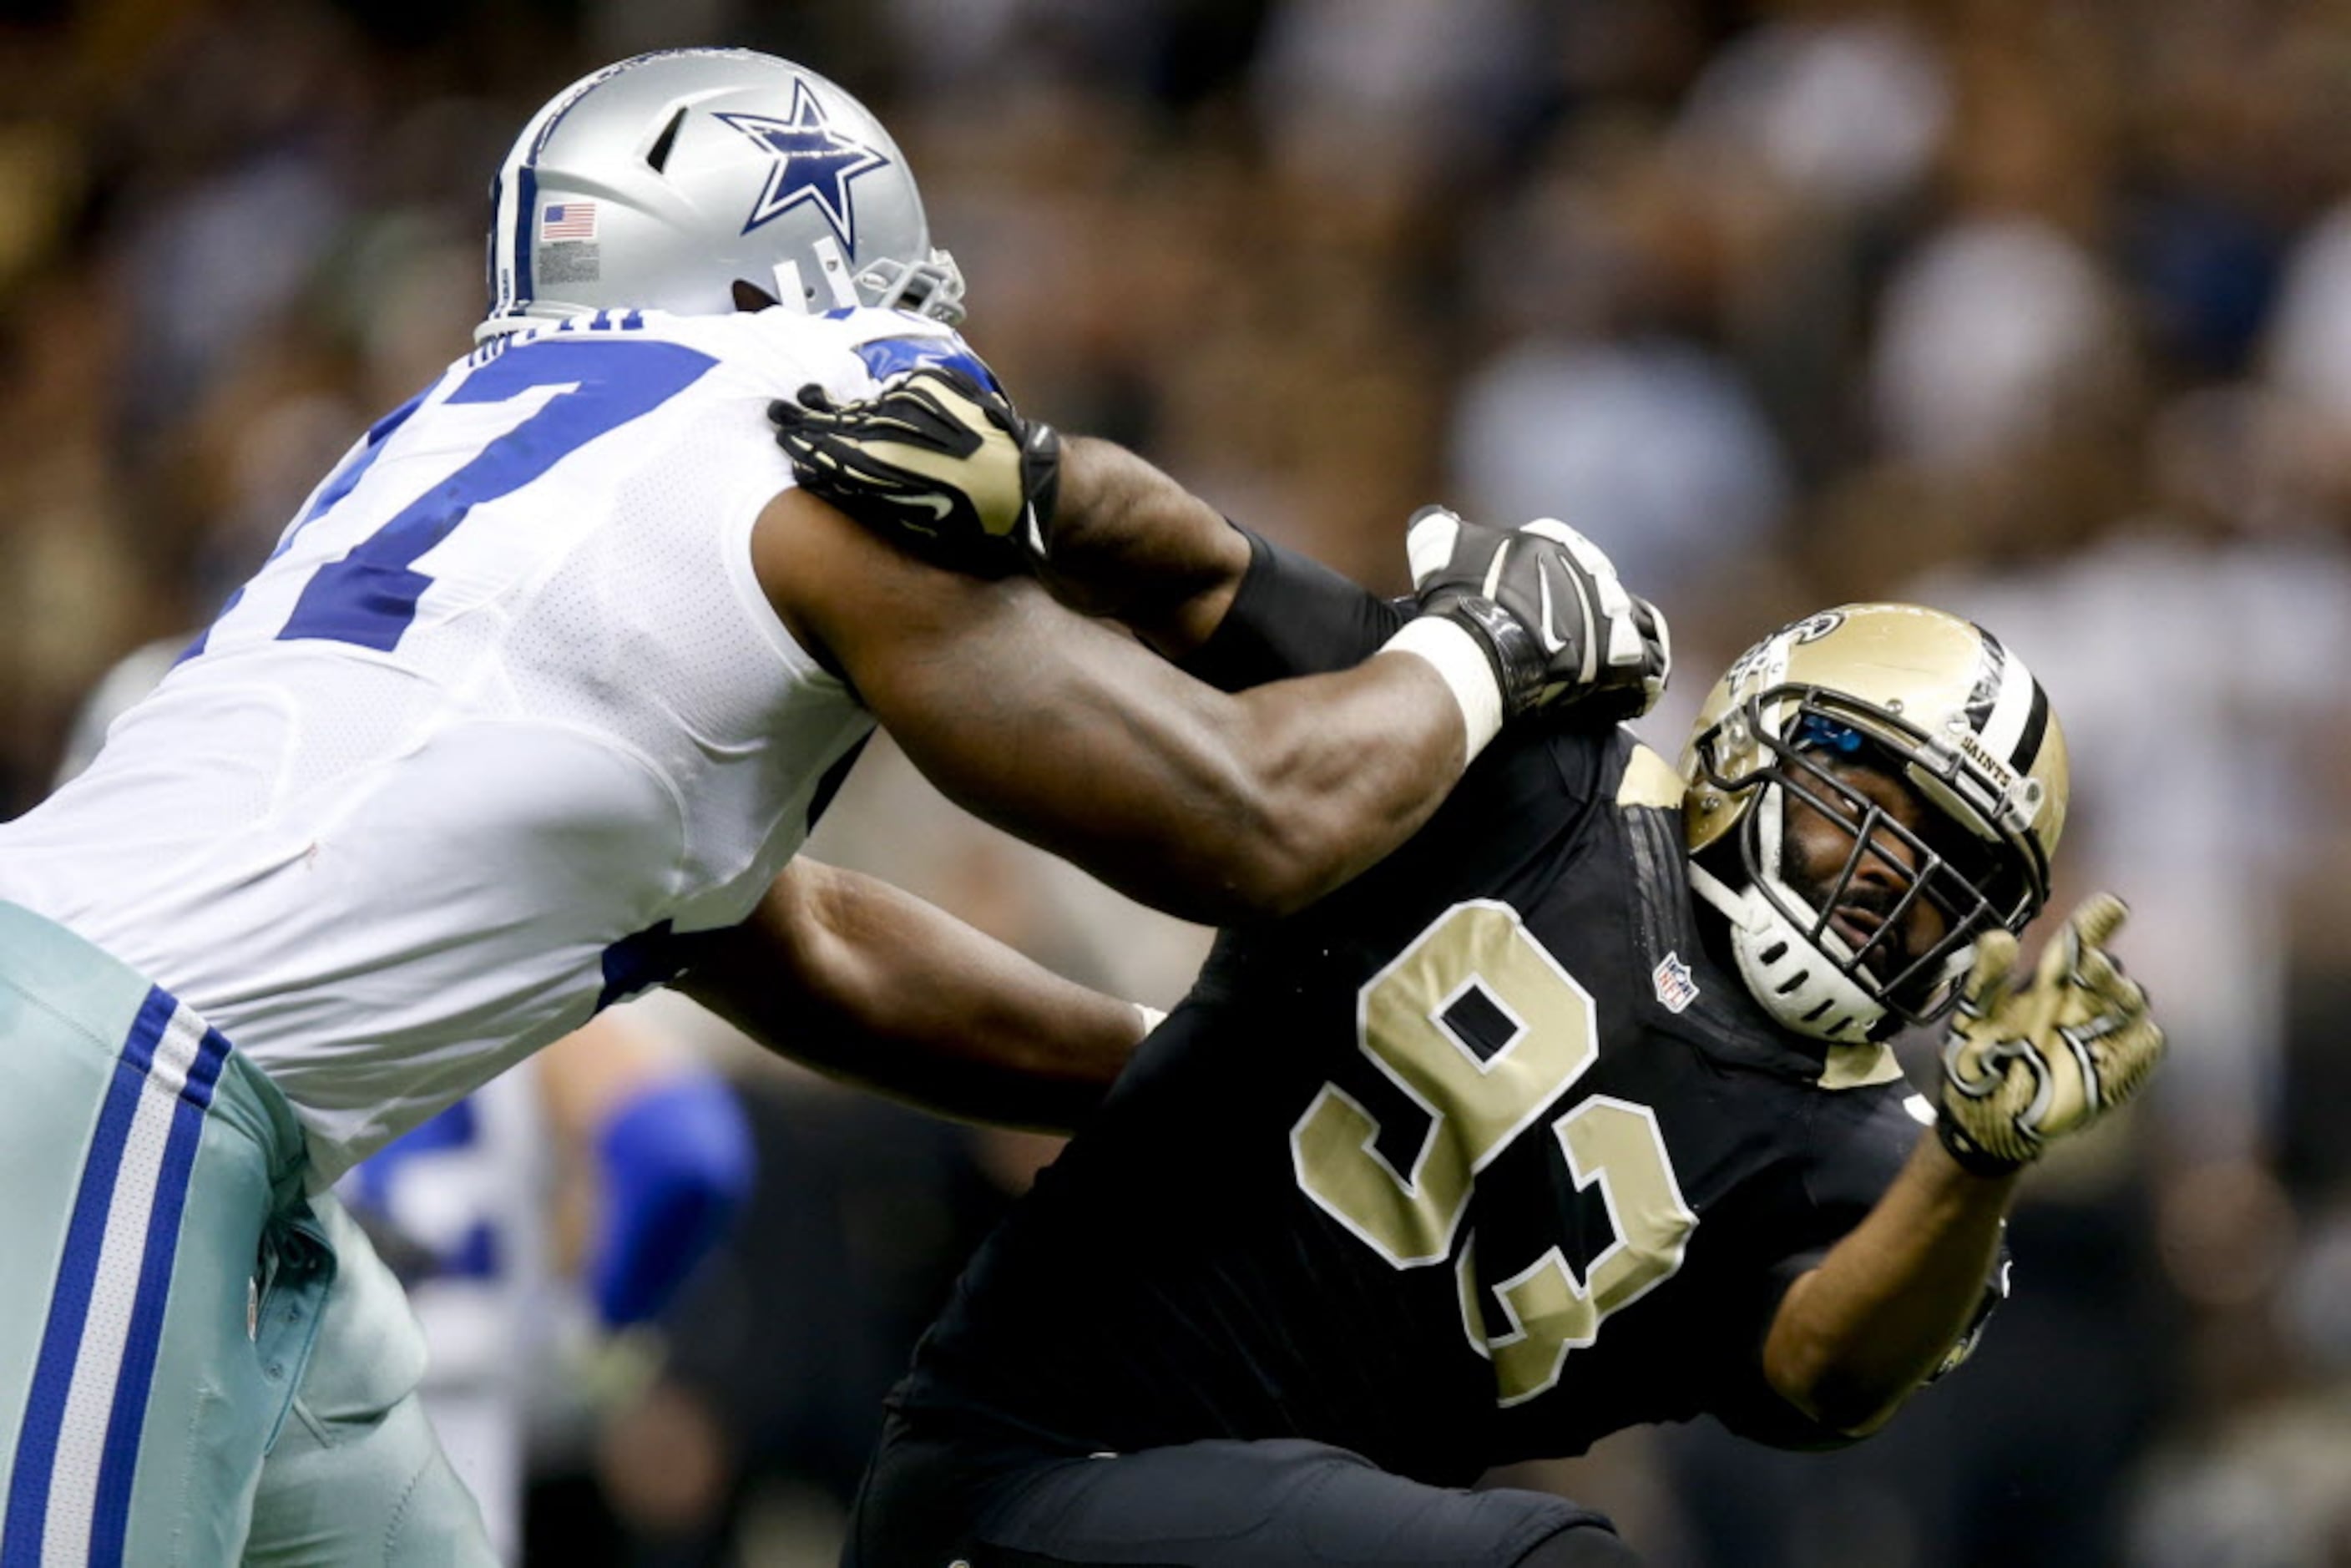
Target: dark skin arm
1132 545
872 985
1213 808
1855 1337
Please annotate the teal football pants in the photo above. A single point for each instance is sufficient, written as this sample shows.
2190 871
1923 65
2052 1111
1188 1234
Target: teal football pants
198 1362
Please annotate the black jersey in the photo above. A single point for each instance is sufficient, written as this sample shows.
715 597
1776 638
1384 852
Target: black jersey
1482 1158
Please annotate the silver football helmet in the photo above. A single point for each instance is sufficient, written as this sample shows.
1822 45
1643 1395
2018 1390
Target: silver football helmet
1929 701
659 182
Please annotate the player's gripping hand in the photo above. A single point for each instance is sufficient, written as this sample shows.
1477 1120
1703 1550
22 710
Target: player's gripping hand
934 462
2027 1064
1565 636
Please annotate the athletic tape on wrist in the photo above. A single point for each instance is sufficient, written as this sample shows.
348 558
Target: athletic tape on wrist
1152 1017
1455 652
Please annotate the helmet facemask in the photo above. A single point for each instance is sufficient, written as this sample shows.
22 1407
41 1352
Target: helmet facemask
932 287
1828 954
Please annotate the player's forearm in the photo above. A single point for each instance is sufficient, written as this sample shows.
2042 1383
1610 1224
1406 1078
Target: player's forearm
1856 1336
867 983
1341 770
1131 544
1233 609
1212 809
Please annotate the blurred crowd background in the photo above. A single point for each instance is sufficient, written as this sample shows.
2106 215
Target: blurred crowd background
2036 309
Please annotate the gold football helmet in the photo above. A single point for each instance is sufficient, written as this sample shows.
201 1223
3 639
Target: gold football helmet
1928 700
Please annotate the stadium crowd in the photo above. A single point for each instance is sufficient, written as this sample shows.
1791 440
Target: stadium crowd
2040 312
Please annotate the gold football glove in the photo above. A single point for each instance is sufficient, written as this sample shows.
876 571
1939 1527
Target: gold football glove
934 462
2027 1065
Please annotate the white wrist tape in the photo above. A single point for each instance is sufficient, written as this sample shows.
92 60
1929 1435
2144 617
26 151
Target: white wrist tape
1152 1017
1455 652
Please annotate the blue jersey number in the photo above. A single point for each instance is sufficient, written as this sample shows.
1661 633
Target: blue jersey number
369 596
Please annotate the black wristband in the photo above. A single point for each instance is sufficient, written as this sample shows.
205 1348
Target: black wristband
1970 1155
1290 616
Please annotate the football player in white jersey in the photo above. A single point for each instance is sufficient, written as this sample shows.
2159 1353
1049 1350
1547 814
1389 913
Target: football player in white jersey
633 1139
529 711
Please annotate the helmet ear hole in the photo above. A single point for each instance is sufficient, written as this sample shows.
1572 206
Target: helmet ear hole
750 297
657 155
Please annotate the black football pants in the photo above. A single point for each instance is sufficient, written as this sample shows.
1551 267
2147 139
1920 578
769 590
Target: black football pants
929 1503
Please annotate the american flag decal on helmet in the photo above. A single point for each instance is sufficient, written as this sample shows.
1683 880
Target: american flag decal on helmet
568 220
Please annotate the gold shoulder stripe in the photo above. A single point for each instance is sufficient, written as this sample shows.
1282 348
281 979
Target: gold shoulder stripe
1649 780
1859 1066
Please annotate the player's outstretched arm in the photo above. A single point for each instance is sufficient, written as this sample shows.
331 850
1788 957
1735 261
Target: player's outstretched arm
1856 1336
2026 1064
1061 731
945 468
867 983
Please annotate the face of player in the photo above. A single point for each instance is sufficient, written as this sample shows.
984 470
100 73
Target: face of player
1818 847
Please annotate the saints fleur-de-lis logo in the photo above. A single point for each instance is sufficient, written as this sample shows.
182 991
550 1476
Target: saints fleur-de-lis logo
814 165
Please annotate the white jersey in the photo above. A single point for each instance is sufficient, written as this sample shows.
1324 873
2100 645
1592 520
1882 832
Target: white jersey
504 711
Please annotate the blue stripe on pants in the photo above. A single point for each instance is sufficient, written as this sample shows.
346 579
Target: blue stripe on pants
126 1420
32 1476
45 1410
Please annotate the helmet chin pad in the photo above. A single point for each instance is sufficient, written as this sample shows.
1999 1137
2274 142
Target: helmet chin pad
1802 988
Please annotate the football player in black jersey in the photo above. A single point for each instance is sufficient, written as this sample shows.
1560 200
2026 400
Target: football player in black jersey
1574 1114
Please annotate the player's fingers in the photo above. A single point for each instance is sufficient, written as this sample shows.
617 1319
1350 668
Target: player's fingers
2096 919
1430 537
1655 627
1660 634
931 377
2095 972
2129 1055
1987 979
2111 992
2085 931
1613 602
2130 998
2061 955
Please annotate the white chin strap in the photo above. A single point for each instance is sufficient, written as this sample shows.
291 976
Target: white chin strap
1793 980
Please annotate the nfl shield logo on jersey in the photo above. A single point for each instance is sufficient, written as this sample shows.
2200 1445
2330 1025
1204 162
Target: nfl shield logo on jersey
1676 986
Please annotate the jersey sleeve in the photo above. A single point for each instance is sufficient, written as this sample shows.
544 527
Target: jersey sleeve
1859 1140
1290 616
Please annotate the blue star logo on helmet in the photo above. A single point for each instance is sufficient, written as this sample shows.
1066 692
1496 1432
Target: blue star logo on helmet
814 163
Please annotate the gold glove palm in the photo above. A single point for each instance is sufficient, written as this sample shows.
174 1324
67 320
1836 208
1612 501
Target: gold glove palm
2026 1065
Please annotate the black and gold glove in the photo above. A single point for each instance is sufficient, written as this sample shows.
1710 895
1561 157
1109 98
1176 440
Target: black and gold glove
934 462
2026 1065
